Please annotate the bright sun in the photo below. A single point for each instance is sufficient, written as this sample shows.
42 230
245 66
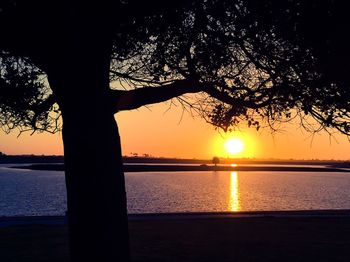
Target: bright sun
234 145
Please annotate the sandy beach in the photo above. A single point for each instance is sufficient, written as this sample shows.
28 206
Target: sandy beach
277 236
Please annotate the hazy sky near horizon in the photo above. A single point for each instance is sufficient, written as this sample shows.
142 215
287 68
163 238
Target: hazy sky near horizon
169 133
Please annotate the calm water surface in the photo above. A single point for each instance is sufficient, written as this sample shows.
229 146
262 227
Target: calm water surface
25 192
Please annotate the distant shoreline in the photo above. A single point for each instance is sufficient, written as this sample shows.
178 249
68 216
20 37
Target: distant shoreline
43 159
187 168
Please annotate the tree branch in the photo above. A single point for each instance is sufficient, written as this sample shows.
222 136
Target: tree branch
133 99
136 98
227 99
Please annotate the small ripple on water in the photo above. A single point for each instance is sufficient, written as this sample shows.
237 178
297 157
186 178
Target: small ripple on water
24 192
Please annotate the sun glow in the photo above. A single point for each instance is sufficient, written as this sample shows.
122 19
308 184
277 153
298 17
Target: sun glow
234 146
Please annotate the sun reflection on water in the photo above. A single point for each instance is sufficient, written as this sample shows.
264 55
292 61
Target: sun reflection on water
234 204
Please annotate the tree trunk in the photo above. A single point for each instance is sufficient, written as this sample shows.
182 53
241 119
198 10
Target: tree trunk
97 212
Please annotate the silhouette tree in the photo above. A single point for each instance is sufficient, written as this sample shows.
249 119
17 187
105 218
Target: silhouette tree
216 160
82 61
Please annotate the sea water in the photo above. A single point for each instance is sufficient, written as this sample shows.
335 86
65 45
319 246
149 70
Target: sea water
31 192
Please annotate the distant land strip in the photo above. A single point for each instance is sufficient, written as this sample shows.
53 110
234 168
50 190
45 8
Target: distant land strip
42 159
186 168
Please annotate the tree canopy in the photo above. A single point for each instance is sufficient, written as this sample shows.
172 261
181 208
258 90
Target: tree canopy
248 60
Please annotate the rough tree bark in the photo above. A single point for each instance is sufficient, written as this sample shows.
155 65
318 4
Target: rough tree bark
97 213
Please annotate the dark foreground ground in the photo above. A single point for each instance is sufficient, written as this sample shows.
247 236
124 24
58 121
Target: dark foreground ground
241 239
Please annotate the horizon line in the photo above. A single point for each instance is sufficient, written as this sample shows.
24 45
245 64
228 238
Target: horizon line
188 159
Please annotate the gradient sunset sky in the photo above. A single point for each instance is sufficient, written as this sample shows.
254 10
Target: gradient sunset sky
160 132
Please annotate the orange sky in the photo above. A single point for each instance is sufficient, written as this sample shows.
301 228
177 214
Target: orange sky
159 132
